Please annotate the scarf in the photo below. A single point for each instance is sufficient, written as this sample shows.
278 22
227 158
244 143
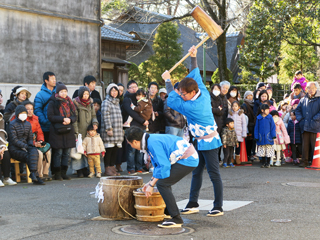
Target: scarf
67 107
83 102
249 102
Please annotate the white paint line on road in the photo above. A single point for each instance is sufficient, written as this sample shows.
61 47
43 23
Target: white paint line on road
208 204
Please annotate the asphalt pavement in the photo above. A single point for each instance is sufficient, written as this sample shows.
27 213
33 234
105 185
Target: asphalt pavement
286 205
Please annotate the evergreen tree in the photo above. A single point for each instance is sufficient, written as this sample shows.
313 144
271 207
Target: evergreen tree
262 44
167 51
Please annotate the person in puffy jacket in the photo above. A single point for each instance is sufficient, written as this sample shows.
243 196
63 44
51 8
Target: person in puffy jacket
21 145
4 156
294 132
308 115
240 125
175 121
264 134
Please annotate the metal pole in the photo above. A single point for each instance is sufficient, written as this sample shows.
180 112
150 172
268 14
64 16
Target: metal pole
204 63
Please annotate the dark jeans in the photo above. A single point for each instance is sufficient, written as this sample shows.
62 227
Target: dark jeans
60 157
110 157
227 152
177 172
294 149
5 165
134 159
249 144
211 160
308 140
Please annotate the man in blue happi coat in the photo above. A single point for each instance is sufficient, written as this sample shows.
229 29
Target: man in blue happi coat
193 101
173 158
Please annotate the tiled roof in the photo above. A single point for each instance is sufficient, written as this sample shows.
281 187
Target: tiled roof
110 33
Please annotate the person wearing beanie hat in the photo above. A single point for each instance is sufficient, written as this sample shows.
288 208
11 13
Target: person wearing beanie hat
21 146
163 93
22 96
261 86
86 115
62 115
90 82
111 128
60 86
247 93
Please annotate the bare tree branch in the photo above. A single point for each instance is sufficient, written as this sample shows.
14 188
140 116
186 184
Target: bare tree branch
303 44
209 9
217 3
176 8
190 3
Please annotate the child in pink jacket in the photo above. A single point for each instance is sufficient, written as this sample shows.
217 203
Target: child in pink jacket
282 137
240 125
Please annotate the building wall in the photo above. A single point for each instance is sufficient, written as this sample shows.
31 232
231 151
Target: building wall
113 49
62 36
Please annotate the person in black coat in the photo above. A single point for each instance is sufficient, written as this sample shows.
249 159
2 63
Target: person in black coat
61 114
21 146
90 82
225 85
247 107
156 122
218 109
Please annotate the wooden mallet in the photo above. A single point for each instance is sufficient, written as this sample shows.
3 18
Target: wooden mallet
211 27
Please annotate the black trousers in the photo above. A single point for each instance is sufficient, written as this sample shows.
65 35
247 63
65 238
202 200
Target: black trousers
30 157
296 148
249 144
5 165
177 172
308 144
227 152
110 157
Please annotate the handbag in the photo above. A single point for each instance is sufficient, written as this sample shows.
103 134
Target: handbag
46 147
280 138
79 146
61 128
74 154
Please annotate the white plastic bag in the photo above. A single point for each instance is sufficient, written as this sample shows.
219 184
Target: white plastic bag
74 154
79 146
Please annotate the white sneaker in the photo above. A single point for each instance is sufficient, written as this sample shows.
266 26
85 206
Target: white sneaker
91 175
9 182
98 175
1 184
278 164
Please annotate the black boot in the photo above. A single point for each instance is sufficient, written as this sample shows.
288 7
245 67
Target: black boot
263 162
57 175
79 173
64 170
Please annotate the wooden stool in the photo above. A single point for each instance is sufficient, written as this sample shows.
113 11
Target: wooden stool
17 170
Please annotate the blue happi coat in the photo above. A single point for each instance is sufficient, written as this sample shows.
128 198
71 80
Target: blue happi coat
198 113
162 147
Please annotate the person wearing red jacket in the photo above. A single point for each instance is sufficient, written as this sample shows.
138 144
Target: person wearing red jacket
38 141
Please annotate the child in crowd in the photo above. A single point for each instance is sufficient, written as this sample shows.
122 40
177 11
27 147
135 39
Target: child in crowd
229 141
265 133
144 107
297 92
93 146
240 125
283 108
282 137
299 78
97 109
294 105
294 132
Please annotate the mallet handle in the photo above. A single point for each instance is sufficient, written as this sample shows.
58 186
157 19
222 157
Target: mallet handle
186 56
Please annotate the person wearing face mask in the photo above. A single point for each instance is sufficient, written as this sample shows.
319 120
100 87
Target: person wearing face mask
232 96
86 115
62 115
247 107
217 106
225 85
282 137
22 96
21 145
